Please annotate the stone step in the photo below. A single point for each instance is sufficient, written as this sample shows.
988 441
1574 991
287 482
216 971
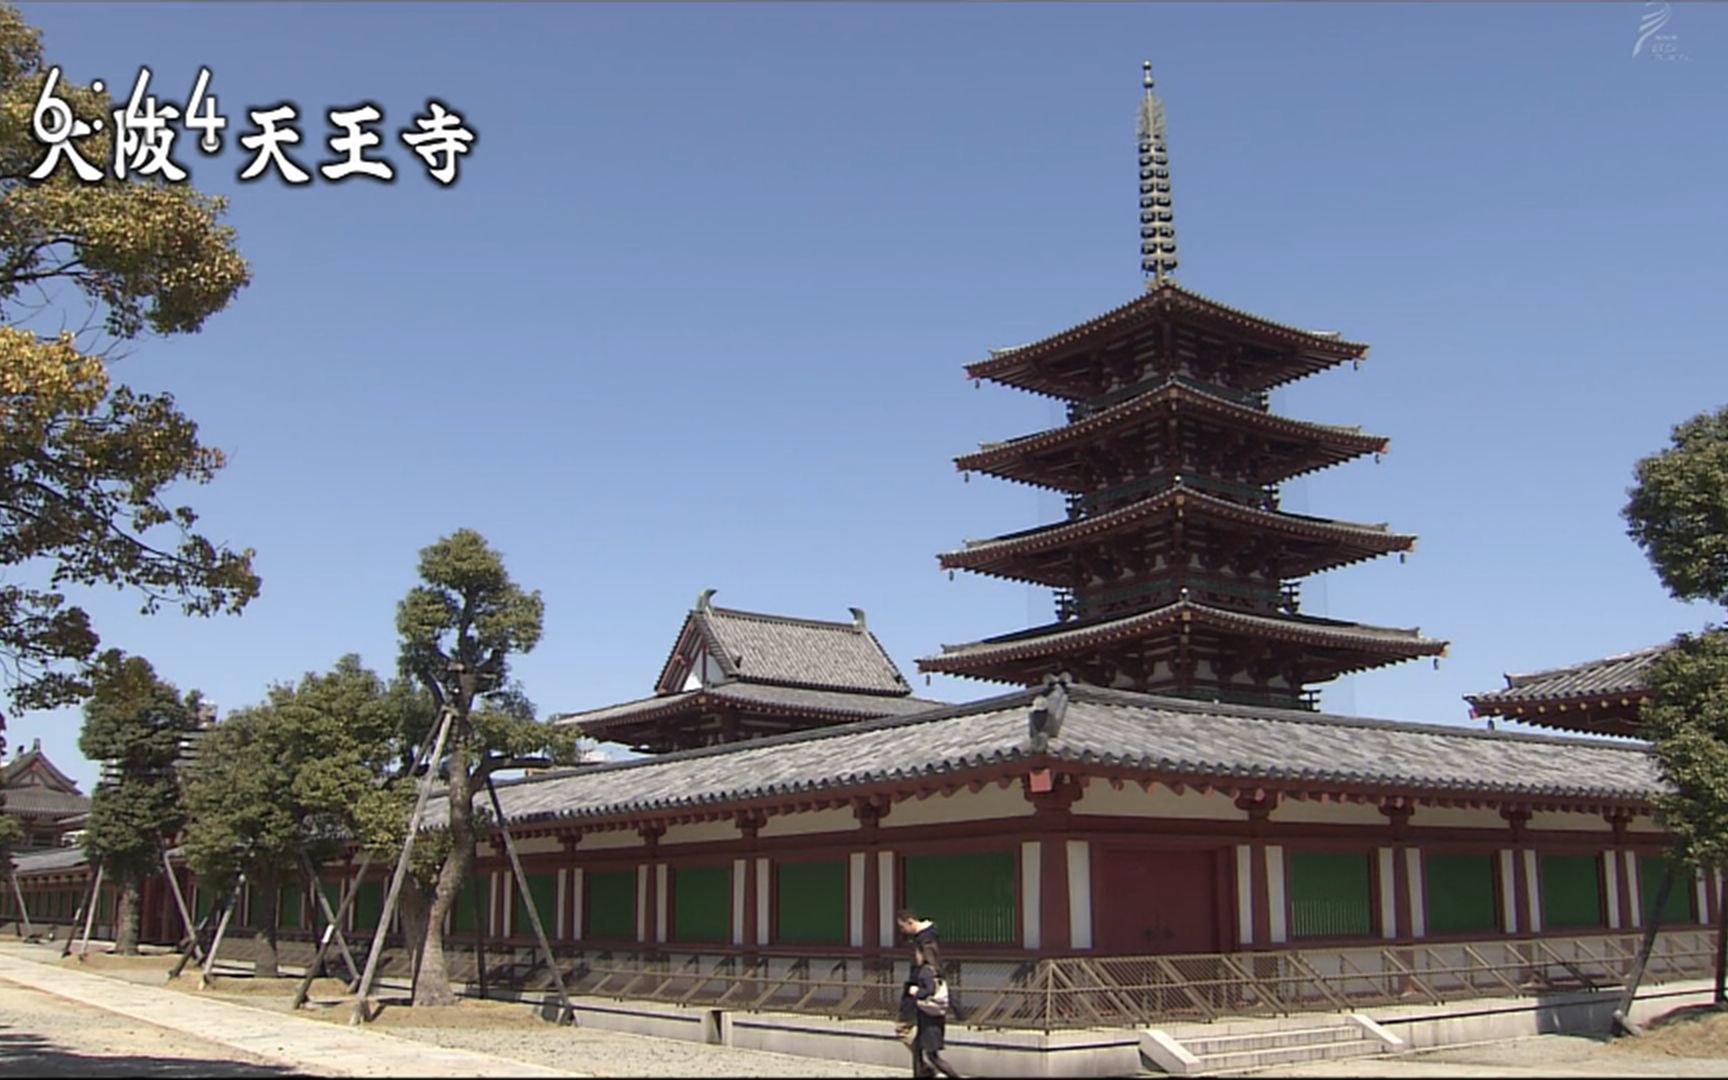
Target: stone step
1243 1061
1267 1040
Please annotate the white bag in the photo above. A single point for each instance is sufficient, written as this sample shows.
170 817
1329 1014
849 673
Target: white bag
936 1004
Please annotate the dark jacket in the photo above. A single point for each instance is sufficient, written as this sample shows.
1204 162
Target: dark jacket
922 938
932 1030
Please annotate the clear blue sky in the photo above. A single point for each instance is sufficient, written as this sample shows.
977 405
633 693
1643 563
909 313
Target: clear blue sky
694 315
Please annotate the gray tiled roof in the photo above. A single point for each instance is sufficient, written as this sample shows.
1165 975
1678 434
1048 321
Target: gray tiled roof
800 652
755 695
1621 674
1167 737
37 862
41 800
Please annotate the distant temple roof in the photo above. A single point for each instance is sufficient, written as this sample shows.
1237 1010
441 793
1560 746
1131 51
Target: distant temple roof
742 674
1602 696
1114 732
34 787
754 647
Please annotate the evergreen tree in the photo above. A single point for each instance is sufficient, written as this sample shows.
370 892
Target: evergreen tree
135 724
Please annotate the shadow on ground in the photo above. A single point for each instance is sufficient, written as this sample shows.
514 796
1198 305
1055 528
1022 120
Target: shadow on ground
27 1054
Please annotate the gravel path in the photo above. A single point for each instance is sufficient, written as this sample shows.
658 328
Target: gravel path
501 1030
44 1035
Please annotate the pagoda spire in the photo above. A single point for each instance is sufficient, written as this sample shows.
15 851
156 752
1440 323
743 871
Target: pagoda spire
1157 223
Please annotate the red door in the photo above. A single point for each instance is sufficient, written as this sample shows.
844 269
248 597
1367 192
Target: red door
1146 902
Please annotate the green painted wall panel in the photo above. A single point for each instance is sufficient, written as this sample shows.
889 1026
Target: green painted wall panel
972 897
1459 891
1682 898
544 889
288 906
810 902
368 905
475 895
701 903
610 910
1330 895
1571 891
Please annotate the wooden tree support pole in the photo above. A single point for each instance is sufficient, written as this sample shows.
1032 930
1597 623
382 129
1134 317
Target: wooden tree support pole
332 931
90 915
362 1010
481 918
193 945
27 931
189 929
1722 949
1621 1021
568 1013
221 929
332 922
78 917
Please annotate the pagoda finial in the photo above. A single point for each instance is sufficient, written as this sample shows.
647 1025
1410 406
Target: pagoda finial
1157 223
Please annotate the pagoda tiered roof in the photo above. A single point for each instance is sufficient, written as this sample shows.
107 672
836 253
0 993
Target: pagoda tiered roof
1050 458
1601 696
1328 645
1045 555
1057 366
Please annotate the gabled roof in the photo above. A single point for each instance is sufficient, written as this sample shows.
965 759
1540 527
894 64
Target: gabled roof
753 647
34 760
1102 731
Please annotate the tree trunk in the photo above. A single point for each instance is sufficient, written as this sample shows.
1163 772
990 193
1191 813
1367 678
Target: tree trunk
126 916
411 906
266 891
433 987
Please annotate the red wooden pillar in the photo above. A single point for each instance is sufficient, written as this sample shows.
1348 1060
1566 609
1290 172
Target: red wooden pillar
748 826
1258 806
1625 895
1523 889
870 810
651 887
1052 797
1404 900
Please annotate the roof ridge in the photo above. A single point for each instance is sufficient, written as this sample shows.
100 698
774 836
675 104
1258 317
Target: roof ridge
763 616
1585 665
1110 696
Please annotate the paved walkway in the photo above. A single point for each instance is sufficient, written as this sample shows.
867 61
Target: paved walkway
310 1046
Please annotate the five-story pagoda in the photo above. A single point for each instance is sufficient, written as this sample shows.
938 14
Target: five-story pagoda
1175 570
